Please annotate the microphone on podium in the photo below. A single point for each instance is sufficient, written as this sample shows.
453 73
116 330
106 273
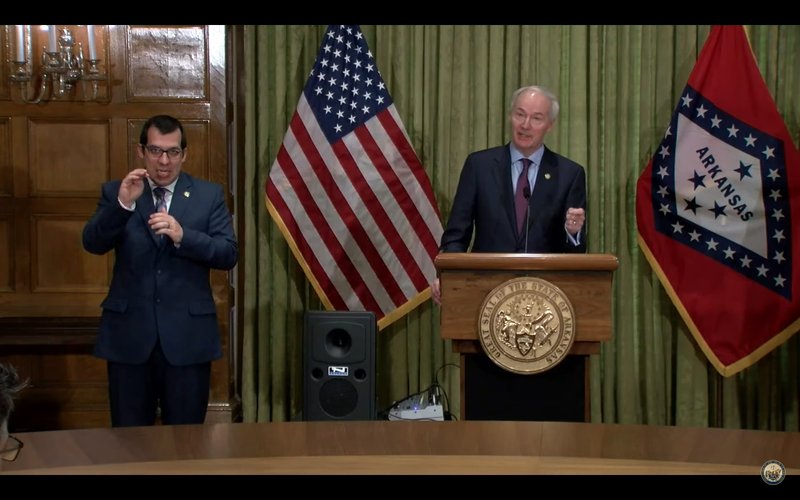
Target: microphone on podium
526 192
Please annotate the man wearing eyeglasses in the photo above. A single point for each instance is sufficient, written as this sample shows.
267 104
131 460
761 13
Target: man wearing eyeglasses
10 385
158 328
521 197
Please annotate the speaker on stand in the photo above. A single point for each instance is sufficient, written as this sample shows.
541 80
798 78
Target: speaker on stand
339 365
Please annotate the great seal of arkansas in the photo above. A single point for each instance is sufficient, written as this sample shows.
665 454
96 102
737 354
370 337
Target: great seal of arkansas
526 325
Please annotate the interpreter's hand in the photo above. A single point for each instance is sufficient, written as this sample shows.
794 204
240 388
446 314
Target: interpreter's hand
132 187
436 292
164 223
574 220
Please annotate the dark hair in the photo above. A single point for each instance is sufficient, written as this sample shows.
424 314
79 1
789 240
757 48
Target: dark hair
165 124
10 385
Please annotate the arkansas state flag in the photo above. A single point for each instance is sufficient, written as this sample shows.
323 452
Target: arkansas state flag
715 208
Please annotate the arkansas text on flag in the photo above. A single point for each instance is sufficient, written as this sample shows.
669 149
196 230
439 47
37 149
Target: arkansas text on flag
348 191
715 208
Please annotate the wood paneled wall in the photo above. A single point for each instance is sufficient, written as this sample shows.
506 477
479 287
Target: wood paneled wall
53 157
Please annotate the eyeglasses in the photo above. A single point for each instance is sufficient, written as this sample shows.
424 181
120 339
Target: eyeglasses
536 118
155 152
12 451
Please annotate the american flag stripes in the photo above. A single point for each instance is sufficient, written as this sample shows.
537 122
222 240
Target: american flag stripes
348 191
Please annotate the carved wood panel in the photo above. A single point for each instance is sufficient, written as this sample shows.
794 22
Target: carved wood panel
67 158
167 63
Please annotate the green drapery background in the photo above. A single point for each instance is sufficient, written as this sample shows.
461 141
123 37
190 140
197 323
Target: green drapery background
618 86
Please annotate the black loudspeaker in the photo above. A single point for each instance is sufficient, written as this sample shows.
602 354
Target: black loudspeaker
339 365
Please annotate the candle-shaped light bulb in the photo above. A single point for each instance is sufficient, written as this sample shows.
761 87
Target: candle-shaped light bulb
90 36
19 32
52 45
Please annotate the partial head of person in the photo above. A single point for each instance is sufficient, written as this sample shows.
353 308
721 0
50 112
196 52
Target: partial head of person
532 113
10 385
162 147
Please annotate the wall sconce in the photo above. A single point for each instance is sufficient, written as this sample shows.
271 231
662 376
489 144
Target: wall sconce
62 66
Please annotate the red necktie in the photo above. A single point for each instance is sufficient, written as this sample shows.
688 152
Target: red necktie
520 200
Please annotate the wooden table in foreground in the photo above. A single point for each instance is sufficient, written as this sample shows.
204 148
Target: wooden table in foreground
463 447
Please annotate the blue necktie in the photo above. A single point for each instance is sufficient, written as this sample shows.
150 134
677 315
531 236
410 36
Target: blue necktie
161 199
520 200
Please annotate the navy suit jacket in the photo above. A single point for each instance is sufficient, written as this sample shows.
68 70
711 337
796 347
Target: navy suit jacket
484 204
159 291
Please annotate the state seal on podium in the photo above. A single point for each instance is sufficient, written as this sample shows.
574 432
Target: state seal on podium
526 325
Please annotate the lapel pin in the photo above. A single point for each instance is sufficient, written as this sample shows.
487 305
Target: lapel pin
547 175
186 194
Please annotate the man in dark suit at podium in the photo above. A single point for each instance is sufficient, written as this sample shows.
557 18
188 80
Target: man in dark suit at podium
521 198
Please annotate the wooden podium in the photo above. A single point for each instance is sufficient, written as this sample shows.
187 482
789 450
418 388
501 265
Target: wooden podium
467 278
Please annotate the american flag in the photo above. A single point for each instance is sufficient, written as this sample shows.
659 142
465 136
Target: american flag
715 208
348 191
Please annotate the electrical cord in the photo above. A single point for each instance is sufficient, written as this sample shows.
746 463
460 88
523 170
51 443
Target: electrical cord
447 414
436 376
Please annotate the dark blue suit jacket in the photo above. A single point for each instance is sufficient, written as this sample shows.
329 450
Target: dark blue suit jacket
484 202
157 290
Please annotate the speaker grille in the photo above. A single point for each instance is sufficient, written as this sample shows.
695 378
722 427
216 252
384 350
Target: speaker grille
338 398
339 365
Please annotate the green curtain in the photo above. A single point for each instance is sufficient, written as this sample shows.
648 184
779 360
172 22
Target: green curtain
618 86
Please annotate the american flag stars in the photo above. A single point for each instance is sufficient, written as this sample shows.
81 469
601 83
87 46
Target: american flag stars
345 88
